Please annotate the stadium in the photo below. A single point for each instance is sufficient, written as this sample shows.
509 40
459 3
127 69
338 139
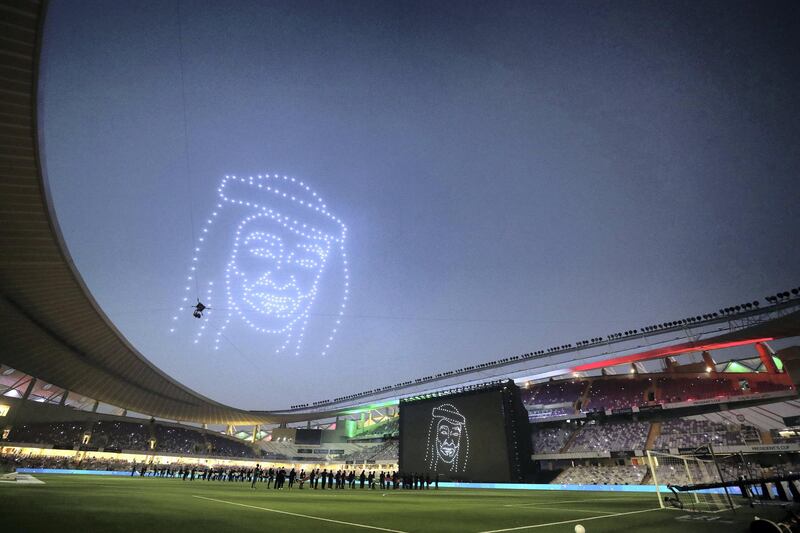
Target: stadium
689 421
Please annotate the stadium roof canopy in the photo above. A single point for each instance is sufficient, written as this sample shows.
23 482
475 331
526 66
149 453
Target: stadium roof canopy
52 328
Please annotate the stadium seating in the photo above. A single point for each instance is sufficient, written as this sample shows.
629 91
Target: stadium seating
553 392
116 435
617 436
547 414
789 439
689 433
178 440
60 434
387 452
390 427
121 436
227 446
619 393
602 475
673 389
767 386
549 440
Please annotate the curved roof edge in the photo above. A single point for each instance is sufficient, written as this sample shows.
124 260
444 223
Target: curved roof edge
52 326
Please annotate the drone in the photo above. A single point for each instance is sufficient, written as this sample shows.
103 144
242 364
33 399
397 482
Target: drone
198 309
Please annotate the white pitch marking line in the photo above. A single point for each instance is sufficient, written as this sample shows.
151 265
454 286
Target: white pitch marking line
571 521
556 502
300 515
571 509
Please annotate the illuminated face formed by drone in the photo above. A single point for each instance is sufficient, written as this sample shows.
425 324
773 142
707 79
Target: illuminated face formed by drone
448 441
284 241
272 277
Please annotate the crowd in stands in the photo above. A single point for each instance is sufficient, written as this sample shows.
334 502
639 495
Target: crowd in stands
602 475
552 399
788 438
356 452
179 440
114 435
383 429
270 477
61 434
549 439
615 394
766 386
674 325
121 436
548 414
674 471
386 452
560 398
674 389
615 436
684 473
691 433
227 447
554 392
631 435
12 461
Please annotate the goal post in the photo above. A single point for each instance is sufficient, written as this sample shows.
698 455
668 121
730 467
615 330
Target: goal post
689 482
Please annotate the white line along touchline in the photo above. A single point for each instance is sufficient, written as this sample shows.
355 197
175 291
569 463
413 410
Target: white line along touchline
533 504
299 515
533 526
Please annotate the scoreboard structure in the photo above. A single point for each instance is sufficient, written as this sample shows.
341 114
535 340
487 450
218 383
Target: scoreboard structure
477 434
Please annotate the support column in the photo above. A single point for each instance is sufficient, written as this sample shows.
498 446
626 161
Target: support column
29 388
710 363
95 406
256 429
766 357
63 400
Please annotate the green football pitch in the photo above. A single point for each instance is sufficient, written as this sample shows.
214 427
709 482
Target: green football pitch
99 503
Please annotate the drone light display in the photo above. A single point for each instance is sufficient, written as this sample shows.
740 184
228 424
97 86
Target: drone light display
265 275
448 440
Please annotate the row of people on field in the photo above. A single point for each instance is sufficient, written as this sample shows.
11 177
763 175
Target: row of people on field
278 478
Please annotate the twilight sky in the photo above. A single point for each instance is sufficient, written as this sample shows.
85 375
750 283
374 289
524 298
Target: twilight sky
512 175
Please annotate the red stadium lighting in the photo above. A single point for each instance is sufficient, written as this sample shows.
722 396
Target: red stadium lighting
666 352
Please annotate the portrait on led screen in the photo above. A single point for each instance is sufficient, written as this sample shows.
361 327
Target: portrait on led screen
260 262
447 449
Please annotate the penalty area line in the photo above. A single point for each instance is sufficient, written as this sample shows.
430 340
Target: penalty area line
298 514
534 504
571 509
533 526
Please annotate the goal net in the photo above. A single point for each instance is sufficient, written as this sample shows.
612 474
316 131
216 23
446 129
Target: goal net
689 482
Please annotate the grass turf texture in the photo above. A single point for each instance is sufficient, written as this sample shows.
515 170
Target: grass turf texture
97 503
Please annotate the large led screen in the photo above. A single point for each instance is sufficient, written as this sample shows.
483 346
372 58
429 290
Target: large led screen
460 437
